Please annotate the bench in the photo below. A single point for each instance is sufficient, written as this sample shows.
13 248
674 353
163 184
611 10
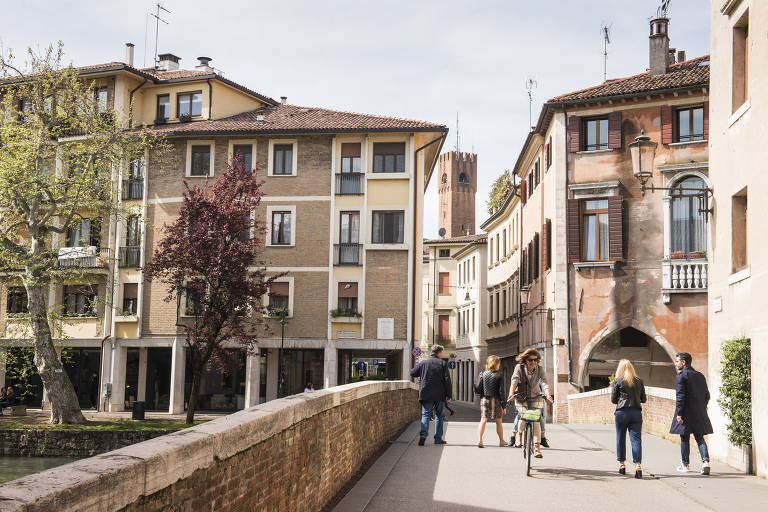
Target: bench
15 410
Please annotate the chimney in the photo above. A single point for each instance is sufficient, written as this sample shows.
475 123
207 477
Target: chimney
681 56
659 46
129 54
204 64
168 62
283 99
672 53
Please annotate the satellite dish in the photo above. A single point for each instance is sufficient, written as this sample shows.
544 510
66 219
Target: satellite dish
441 232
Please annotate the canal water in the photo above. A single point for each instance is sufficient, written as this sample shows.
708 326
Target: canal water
12 468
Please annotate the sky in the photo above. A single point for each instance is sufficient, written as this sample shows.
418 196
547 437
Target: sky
424 59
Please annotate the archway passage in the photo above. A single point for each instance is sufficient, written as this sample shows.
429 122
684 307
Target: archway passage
650 360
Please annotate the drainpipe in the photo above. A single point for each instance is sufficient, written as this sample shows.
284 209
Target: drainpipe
210 97
130 103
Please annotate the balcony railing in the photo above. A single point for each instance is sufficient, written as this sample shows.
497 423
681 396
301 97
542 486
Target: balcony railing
83 257
443 338
130 256
462 340
347 254
133 189
684 275
349 183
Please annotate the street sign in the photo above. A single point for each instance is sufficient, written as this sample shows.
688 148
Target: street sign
416 352
452 365
375 362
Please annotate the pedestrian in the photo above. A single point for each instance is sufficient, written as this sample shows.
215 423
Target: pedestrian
691 412
528 376
628 393
310 388
434 392
8 399
493 402
93 390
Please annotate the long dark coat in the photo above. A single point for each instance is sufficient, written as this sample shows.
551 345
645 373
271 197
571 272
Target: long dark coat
435 385
691 404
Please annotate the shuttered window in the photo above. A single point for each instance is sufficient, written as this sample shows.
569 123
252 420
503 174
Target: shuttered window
614 130
595 134
536 256
546 247
548 154
444 283
666 125
595 229
574 134
523 197
573 230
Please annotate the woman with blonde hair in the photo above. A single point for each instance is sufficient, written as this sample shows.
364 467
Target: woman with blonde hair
493 405
628 393
529 389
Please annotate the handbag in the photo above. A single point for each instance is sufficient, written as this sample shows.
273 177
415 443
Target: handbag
521 391
479 386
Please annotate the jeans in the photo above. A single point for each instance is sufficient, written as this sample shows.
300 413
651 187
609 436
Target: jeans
685 447
629 418
426 415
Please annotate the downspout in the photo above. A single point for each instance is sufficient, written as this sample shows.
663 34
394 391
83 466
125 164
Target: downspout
210 97
130 103
520 276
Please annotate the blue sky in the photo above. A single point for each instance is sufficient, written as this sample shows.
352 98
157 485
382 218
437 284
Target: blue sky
423 59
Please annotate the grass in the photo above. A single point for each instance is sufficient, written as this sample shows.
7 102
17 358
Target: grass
103 425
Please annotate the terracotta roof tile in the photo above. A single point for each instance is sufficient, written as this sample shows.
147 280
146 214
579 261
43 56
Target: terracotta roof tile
691 73
296 119
481 237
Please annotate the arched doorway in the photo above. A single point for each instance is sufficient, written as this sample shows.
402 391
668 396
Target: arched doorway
652 362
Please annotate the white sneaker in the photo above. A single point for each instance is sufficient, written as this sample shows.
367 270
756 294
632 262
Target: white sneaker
705 468
683 468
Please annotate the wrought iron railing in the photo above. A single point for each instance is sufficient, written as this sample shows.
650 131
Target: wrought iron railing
347 254
349 183
133 189
130 256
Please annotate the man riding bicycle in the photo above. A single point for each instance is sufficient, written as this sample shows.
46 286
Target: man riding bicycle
529 389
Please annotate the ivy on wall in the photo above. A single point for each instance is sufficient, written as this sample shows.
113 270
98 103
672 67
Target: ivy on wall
736 389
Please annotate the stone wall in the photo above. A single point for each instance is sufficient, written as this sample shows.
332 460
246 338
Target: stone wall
596 407
292 454
70 443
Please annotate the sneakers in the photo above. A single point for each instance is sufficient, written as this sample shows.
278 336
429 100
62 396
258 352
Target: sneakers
683 468
422 440
544 442
440 441
705 468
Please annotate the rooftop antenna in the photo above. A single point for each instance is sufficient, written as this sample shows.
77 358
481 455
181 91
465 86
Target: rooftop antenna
530 85
158 19
457 133
605 30
663 10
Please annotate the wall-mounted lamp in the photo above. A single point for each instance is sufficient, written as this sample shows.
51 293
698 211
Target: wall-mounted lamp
643 150
525 294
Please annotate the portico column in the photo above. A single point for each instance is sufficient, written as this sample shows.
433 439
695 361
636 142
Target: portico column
272 374
2 367
141 393
178 367
252 379
106 364
117 400
330 365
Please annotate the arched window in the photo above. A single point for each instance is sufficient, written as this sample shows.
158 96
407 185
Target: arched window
463 179
689 225
444 179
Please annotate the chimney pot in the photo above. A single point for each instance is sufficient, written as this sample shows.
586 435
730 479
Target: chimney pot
204 64
659 47
681 56
168 62
129 54
283 99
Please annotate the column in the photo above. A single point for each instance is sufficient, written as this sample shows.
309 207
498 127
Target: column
178 367
117 370
406 374
141 393
2 367
106 364
272 373
252 379
330 365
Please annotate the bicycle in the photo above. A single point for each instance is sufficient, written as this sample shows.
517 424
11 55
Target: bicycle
530 416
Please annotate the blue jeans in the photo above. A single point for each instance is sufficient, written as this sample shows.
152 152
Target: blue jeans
685 447
426 415
629 418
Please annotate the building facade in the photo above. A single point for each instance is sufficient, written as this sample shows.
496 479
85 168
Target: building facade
738 282
456 193
342 209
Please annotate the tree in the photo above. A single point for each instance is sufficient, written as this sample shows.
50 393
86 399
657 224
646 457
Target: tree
61 148
736 389
206 258
499 191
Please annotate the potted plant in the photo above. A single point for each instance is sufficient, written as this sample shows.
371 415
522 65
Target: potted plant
160 120
698 255
185 118
736 393
346 313
677 255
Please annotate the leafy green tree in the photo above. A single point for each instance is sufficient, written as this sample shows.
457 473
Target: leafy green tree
62 147
499 192
736 389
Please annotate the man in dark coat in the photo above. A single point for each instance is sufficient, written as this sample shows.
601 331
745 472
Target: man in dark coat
434 392
691 412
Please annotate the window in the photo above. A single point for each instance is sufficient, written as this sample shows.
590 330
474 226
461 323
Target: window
444 286
133 231
80 300
443 327
163 107
595 229
189 104
445 253
193 298
739 258
689 225
388 227
490 251
84 233
463 179
350 157
690 124
17 300
347 297
473 319
490 308
473 268
595 134
136 169
201 160
497 247
460 274
389 157
504 242
245 151
444 179
100 95
740 63
548 154
130 298
504 303
279 296
350 228
281 228
283 159
535 261
498 317
548 244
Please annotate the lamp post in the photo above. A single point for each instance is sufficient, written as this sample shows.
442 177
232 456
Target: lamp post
281 374
643 151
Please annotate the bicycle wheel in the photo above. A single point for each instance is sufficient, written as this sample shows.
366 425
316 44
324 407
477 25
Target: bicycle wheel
524 439
529 445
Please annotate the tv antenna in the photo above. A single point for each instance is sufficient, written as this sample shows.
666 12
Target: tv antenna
663 10
457 133
159 7
530 85
605 30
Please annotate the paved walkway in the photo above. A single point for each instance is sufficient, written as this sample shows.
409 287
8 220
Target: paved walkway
578 472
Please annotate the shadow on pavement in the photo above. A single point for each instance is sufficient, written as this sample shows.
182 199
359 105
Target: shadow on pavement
574 474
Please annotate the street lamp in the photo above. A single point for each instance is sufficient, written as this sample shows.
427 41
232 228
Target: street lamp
282 313
525 295
643 151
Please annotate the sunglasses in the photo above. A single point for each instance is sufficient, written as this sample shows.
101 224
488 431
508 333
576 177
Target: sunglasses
532 360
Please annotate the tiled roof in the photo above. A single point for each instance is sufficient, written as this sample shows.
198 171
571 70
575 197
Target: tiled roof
480 237
295 119
688 74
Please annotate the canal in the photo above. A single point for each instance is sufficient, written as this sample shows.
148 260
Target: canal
12 468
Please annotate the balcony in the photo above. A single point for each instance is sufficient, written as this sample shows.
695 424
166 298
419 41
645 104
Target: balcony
83 257
130 256
347 254
462 341
683 276
133 189
349 183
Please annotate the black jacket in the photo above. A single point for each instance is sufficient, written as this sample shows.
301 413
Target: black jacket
624 395
491 385
435 384
691 404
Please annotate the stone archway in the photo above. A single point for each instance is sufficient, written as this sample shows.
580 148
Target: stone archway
624 341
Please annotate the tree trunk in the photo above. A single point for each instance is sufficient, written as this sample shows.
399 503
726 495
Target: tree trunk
194 391
64 404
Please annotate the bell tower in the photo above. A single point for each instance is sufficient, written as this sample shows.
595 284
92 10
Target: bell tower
456 188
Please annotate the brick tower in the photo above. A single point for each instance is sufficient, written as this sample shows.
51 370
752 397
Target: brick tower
456 188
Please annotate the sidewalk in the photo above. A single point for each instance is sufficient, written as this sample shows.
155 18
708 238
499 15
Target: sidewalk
579 472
